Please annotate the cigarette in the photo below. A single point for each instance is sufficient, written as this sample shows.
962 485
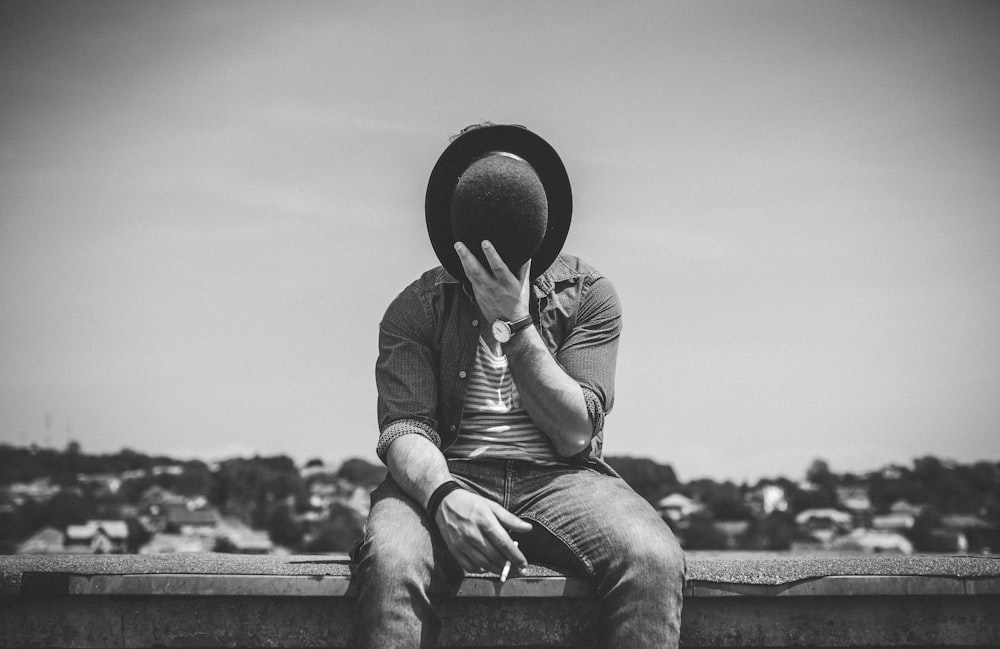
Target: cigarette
506 569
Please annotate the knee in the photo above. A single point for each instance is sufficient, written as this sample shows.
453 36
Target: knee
397 545
654 556
382 560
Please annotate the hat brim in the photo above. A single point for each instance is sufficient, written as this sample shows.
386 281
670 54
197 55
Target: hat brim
468 148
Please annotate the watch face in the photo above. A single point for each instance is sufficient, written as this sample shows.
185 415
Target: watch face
501 331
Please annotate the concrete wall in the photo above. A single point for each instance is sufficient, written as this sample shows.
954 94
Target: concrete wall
731 601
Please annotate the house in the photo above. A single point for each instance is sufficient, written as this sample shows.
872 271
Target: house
854 498
950 541
892 472
164 543
677 507
905 507
980 536
965 522
823 516
824 524
234 536
894 522
158 496
766 499
47 540
187 520
733 532
317 468
39 491
97 537
863 540
100 484
182 527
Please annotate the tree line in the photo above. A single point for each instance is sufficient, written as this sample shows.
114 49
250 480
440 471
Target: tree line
274 494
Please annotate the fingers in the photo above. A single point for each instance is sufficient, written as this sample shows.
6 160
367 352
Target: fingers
524 272
496 263
503 541
478 554
475 270
475 533
523 276
510 521
498 268
508 547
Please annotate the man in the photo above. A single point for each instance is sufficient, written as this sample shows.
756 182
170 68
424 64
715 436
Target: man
494 375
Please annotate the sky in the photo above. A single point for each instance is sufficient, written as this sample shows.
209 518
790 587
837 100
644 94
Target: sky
206 207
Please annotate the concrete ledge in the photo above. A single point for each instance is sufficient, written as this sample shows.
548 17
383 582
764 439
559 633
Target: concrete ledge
276 586
731 600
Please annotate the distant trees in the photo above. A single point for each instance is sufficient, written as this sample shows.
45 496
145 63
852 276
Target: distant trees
267 493
819 473
702 533
312 510
338 532
650 480
725 500
944 486
283 528
68 507
251 488
361 472
29 463
775 531
729 518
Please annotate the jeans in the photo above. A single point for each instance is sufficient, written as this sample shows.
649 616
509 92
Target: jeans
586 522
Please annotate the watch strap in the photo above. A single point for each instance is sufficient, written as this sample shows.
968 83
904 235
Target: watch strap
518 325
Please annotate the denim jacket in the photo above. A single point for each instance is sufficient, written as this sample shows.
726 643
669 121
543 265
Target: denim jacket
428 339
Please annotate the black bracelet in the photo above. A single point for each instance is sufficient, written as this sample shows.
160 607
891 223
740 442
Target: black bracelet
434 502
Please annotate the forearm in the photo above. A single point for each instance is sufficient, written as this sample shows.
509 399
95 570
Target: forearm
417 466
552 398
474 528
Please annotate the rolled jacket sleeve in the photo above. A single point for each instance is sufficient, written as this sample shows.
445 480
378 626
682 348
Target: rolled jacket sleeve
405 372
589 353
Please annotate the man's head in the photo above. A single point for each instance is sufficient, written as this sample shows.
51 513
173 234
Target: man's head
505 184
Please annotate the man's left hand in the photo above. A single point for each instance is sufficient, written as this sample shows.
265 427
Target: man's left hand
499 292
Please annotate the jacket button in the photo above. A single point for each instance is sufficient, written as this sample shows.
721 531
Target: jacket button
452 428
475 323
462 374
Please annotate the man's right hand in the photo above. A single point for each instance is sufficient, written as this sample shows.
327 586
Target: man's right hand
476 532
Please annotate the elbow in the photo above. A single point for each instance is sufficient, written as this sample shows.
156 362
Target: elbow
575 433
572 444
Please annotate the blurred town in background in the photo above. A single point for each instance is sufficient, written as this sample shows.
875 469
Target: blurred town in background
67 501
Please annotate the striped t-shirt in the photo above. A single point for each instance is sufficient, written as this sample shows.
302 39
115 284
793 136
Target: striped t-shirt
494 422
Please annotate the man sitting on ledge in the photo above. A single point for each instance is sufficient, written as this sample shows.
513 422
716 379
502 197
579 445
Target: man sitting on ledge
494 375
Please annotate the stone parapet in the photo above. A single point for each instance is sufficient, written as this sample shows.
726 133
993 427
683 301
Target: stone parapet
731 600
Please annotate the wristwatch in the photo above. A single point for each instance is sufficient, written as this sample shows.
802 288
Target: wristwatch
503 330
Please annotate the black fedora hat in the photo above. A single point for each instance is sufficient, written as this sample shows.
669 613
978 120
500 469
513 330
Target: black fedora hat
501 182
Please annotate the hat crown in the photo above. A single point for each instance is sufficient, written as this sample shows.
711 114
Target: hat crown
483 159
501 198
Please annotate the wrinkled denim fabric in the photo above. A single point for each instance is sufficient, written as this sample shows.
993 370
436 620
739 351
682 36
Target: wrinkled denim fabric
585 521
